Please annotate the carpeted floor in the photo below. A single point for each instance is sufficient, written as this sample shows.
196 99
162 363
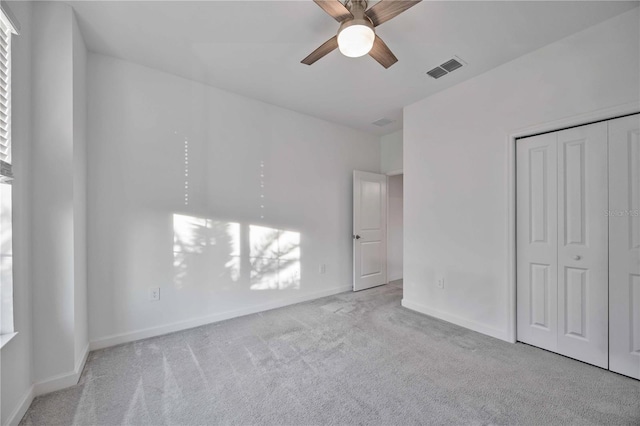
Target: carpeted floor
353 358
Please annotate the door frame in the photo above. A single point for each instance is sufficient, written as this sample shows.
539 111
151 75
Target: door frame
553 126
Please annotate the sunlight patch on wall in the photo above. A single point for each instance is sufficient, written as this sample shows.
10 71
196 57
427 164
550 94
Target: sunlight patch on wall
220 252
262 200
216 241
186 171
275 258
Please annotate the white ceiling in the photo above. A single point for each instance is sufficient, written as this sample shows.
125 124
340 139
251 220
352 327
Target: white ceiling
254 48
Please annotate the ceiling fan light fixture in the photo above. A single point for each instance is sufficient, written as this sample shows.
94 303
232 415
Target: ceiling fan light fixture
356 37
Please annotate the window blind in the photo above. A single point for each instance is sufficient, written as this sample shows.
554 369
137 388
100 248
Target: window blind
5 93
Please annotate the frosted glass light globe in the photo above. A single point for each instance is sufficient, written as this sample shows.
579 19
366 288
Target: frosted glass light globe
356 40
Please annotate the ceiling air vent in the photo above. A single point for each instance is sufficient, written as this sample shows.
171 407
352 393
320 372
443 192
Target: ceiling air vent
451 65
446 68
383 122
437 72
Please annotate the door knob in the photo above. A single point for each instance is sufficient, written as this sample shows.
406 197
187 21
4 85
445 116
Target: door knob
576 257
357 237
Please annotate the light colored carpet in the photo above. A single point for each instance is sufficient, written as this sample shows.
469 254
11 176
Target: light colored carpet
353 358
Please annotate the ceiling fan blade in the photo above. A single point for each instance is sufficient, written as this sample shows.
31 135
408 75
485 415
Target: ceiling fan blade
327 47
334 8
381 53
384 10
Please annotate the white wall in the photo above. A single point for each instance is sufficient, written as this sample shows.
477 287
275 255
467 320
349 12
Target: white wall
52 192
395 227
58 197
139 119
456 165
15 357
391 162
391 152
81 322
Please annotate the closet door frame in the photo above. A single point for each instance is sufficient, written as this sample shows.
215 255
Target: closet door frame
511 261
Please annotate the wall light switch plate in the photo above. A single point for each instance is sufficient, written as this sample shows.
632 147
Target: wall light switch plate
441 283
154 294
323 269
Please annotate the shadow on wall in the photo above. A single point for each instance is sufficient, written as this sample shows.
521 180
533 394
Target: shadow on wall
231 252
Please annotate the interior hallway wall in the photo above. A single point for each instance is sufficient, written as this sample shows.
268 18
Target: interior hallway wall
456 165
227 204
396 229
391 152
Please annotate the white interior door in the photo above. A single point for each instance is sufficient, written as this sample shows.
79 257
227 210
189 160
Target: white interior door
624 245
537 243
583 278
369 230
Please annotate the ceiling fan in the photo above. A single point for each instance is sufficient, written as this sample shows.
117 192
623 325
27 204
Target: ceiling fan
356 36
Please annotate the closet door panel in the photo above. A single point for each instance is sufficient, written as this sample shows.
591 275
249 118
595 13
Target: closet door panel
537 241
582 244
624 245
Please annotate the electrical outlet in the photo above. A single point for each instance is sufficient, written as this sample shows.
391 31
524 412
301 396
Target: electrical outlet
323 269
441 283
154 294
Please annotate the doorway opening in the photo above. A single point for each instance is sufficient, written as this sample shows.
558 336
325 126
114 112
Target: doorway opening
395 227
377 229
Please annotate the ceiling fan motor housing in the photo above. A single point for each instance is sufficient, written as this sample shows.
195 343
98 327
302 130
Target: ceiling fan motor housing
356 21
356 35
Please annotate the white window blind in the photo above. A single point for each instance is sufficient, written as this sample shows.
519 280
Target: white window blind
7 28
5 92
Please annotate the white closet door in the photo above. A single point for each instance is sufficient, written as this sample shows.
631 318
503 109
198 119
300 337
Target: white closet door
624 245
583 244
537 241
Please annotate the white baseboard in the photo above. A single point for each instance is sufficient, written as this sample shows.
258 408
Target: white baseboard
462 322
52 384
17 415
117 339
63 380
